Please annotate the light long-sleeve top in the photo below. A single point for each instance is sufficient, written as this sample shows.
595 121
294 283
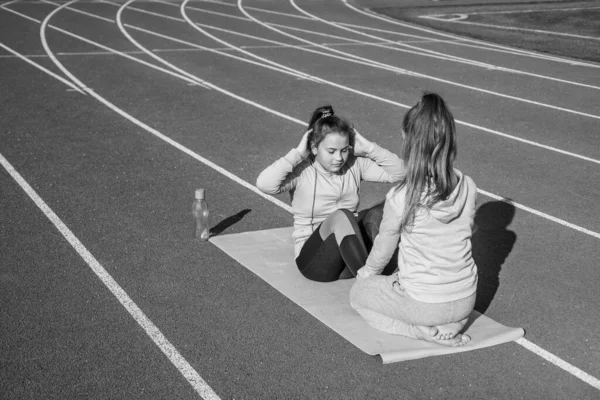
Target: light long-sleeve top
317 193
435 264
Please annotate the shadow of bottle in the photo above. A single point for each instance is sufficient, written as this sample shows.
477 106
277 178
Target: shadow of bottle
227 222
491 242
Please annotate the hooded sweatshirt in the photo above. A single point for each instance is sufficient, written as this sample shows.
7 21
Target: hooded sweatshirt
435 264
317 193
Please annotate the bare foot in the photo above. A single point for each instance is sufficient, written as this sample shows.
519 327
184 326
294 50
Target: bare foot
449 331
428 333
464 339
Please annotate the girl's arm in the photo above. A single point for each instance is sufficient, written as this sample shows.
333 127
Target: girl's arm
385 242
381 165
279 177
376 163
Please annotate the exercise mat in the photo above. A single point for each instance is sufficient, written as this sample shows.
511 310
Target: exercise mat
270 255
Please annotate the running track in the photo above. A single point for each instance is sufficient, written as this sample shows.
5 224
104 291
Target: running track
113 113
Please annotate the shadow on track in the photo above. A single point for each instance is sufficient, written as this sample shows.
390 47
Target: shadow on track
227 222
492 243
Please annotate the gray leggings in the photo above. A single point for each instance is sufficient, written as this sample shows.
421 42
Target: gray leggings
335 250
385 305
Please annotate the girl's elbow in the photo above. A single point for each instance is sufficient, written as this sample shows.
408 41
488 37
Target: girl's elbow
264 186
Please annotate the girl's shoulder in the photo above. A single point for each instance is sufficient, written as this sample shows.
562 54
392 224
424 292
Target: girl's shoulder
303 167
396 197
468 182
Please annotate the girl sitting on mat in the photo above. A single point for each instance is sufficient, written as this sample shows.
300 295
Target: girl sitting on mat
429 217
323 176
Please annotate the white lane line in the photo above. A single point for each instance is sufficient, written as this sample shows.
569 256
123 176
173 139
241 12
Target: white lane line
204 32
459 59
160 135
328 54
512 28
24 55
38 66
260 10
456 39
393 45
436 54
108 49
541 214
193 45
573 370
530 142
405 106
541 10
251 187
276 44
184 367
487 45
275 201
47 49
315 79
87 53
285 206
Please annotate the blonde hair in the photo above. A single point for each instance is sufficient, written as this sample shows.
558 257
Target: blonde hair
429 151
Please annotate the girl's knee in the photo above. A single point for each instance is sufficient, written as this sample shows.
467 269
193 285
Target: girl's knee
340 221
342 216
357 294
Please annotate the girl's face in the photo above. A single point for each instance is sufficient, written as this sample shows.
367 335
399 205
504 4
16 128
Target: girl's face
333 151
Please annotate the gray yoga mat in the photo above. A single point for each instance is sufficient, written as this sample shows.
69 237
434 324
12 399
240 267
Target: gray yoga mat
270 255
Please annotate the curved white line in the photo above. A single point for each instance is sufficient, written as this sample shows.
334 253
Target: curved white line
438 55
466 42
182 365
511 28
449 58
530 142
270 198
198 28
477 127
371 14
49 52
451 82
193 376
461 40
52 74
443 57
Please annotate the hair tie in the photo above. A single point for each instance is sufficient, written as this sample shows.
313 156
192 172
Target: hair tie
326 114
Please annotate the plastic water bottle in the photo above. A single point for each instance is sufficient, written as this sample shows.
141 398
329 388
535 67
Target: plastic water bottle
200 212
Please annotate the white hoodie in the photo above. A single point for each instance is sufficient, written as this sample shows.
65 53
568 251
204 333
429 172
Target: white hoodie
434 259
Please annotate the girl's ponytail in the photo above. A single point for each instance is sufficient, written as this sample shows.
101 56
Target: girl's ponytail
323 121
429 150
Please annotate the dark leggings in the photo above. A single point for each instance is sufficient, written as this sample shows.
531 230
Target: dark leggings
343 251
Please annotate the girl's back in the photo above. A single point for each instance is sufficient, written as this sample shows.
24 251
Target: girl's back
434 258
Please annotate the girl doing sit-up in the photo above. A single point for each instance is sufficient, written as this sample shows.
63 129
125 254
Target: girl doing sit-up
323 176
429 218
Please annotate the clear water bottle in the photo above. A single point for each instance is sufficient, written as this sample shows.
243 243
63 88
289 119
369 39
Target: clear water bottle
200 211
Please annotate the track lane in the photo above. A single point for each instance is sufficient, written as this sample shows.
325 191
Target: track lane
159 108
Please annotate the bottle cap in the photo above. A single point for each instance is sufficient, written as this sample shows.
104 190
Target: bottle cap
199 194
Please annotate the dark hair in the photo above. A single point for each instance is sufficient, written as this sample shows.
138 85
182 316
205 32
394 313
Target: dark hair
429 151
324 121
